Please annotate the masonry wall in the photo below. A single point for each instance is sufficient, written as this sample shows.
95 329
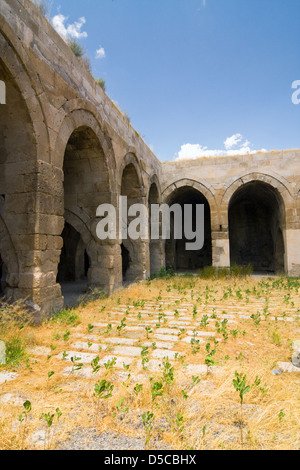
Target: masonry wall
219 179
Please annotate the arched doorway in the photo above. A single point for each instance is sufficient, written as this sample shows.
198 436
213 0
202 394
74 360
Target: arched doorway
86 186
256 224
177 256
155 246
133 251
17 183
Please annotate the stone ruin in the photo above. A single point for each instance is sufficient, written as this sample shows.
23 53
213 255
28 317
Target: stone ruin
65 148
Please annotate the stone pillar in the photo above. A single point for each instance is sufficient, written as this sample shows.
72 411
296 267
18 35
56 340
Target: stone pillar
220 250
292 252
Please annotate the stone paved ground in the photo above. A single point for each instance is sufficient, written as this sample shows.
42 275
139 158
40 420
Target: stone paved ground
133 340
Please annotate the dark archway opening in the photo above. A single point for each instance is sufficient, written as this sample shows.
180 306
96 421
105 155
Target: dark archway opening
73 266
155 250
125 261
177 256
256 222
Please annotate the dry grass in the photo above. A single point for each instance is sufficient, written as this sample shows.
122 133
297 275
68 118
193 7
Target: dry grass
208 414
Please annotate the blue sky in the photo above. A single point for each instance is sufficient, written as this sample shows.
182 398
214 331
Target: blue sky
196 77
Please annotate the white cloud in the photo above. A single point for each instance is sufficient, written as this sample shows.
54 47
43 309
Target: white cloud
100 53
233 141
243 147
72 31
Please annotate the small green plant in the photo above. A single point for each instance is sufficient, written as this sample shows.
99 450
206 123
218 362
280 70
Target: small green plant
110 364
121 326
76 365
23 417
148 331
204 321
95 365
49 418
148 420
137 389
209 361
145 356
240 386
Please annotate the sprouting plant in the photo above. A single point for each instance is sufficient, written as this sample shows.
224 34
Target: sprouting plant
256 317
138 388
108 328
145 354
176 314
204 321
167 371
67 336
194 311
90 328
95 365
156 390
148 331
48 418
120 404
64 355
110 364
209 361
23 417
281 415
49 375
234 333
195 345
179 423
76 365
240 386
184 395
103 391
121 326
148 420
196 379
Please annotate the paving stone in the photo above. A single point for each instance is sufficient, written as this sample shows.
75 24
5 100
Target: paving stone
119 361
93 347
6 376
85 358
167 337
127 351
162 345
190 339
169 331
201 333
196 369
125 341
39 351
161 354
288 367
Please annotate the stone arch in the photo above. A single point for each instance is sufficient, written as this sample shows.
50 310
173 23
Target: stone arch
133 251
177 257
278 183
256 217
130 159
203 188
16 60
23 138
156 247
87 184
